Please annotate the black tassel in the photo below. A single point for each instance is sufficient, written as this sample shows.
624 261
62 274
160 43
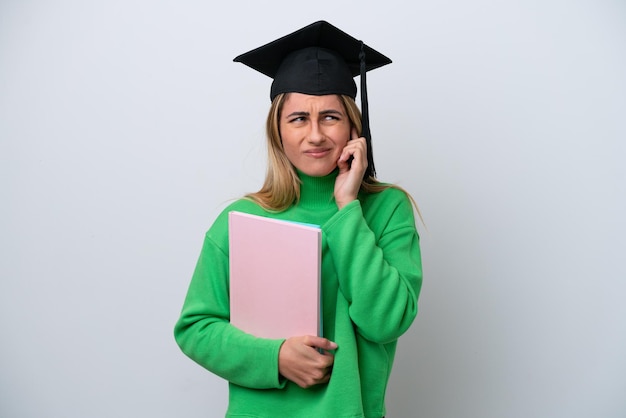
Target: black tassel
370 171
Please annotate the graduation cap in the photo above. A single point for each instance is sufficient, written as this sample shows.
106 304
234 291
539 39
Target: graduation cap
318 59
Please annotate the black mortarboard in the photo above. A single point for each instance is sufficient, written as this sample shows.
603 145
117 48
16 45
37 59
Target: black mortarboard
318 59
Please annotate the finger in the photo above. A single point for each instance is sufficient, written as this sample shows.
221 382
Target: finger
353 133
356 148
346 155
322 343
355 144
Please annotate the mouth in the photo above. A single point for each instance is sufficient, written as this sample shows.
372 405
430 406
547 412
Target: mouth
317 152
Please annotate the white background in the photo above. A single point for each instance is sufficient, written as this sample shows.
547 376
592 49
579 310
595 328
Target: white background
125 128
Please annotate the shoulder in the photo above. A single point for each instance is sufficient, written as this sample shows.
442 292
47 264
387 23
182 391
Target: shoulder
390 205
390 197
244 205
219 228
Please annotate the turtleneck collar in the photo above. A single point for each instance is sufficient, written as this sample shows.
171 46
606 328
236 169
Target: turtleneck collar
317 191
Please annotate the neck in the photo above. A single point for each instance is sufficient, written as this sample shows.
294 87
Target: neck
317 191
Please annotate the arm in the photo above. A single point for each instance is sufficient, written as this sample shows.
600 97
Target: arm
379 272
204 333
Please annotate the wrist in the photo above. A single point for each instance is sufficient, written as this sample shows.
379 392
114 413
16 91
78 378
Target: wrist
342 203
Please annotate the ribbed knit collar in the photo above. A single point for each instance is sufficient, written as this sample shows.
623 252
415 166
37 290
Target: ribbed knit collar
317 191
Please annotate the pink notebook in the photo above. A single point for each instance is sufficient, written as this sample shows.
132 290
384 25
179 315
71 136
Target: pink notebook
274 276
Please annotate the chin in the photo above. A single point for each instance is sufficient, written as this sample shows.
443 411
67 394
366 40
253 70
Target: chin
318 171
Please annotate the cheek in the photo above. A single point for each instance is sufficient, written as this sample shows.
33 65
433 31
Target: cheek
289 148
343 138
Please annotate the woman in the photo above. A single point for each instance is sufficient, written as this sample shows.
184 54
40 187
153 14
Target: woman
320 171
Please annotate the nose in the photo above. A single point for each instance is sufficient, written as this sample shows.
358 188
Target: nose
316 135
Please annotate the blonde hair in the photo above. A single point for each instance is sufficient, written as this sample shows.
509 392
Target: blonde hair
281 188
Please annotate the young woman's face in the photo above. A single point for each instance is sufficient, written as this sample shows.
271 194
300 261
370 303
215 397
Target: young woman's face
314 131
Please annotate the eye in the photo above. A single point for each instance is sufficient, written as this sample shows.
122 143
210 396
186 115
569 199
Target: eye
331 119
296 118
329 116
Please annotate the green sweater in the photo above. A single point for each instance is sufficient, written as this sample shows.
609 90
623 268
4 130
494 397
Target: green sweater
371 279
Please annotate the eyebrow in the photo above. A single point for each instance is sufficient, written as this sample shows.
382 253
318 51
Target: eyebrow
331 112
292 114
323 112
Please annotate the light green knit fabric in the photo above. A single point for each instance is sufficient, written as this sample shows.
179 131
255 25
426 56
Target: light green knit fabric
371 279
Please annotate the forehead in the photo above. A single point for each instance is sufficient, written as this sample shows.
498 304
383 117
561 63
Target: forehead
310 103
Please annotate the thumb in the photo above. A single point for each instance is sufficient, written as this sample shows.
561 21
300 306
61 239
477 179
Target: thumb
323 343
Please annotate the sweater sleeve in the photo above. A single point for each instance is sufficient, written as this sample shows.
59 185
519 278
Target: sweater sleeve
379 273
205 334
